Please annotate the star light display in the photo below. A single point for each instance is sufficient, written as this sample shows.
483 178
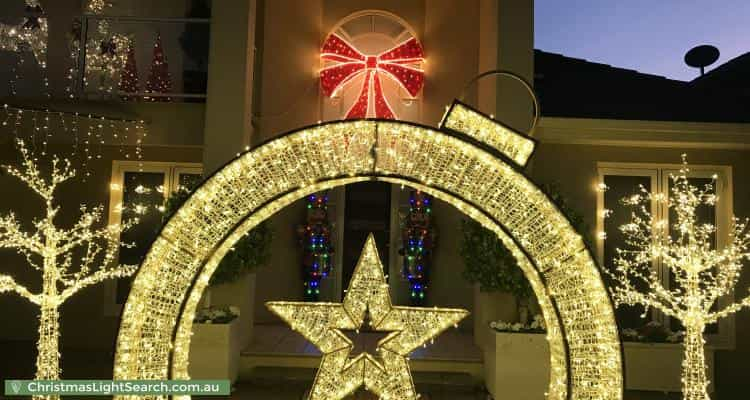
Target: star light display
702 274
69 260
386 375
401 63
585 352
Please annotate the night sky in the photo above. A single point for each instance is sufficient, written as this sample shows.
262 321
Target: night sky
650 36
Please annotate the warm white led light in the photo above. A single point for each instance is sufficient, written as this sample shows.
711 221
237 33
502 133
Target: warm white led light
702 274
68 259
258 183
512 144
386 375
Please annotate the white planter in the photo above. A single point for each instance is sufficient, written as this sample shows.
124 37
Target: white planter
516 366
488 307
215 351
240 293
658 366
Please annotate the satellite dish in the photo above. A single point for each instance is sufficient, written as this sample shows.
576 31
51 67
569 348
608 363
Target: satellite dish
701 56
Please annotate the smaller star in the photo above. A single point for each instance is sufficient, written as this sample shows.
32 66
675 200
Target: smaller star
387 374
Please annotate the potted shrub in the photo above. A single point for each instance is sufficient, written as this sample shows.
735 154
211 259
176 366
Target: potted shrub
222 327
502 292
499 284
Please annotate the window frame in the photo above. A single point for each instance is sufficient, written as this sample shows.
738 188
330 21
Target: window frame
171 171
659 174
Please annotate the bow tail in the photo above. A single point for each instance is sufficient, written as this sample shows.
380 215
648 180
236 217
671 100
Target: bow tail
359 108
382 108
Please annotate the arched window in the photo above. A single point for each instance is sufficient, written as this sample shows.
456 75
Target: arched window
371 66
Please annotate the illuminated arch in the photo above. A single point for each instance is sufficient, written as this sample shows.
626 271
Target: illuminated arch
480 180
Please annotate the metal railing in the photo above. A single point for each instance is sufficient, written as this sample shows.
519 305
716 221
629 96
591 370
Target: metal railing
111 47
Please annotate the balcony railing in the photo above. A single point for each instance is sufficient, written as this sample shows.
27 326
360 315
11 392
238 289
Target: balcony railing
142 59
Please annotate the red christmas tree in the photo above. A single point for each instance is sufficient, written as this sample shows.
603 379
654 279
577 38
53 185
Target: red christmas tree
129 75
159 79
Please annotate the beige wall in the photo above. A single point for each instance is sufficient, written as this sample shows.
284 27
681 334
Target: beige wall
554 163
290 99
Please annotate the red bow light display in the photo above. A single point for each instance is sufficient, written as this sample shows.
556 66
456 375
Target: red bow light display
400 63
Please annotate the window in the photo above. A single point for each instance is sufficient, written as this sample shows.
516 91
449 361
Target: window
623 180
138 190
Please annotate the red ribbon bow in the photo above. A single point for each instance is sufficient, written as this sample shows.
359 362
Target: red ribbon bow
396 63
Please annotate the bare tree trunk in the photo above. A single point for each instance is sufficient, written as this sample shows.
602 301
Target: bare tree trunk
48 352
48 357
694 383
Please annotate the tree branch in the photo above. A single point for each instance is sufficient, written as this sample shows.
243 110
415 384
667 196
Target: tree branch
11 236
8 284
729 310
119 271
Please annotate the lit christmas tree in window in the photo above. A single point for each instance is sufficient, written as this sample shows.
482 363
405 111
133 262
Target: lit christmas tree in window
129 75
159 78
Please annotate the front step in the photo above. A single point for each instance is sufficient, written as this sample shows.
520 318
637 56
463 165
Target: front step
303 366
280 374
430 384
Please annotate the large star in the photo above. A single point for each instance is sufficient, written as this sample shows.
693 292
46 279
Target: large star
386 374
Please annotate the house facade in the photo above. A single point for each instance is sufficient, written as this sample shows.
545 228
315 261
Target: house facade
257 75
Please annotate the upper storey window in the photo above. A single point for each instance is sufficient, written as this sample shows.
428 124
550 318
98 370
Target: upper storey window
372 68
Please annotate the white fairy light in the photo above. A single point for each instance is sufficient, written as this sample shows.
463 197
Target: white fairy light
53 251
702 274
584 347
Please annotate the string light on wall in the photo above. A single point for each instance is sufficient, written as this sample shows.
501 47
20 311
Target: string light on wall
85 134
702 274
345 63
367 302
585 349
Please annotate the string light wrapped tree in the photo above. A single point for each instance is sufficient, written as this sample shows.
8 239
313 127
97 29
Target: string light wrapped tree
69 259
702 273
159 78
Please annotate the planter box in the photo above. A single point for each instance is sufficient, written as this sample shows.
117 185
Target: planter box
491 306
658 366
517 366
215 351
